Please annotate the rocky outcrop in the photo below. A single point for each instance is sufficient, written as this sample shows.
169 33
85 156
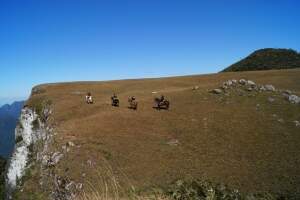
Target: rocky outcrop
24 138
30 129
217 91
250 86
270 88
294 99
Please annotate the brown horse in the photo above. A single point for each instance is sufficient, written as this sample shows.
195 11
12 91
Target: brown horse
133 104
161 103
115 101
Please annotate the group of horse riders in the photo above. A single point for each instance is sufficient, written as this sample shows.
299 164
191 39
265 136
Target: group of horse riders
161 103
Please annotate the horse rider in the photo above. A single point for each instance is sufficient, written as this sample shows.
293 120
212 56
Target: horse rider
114 96
162 98
89 98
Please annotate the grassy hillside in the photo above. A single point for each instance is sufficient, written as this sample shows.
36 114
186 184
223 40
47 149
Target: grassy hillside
221 138
266 59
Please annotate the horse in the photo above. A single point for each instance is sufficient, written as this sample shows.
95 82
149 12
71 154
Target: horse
89 98
133 104
161 103
115 101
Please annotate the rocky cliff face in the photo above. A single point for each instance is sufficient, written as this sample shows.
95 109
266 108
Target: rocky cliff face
32 164
24 138
30 143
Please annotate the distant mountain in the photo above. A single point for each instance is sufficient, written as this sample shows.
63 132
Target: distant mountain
9 115
266 59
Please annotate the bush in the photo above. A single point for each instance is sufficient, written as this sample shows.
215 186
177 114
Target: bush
202 190
206 190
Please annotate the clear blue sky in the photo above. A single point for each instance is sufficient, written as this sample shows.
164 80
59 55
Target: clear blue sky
69 40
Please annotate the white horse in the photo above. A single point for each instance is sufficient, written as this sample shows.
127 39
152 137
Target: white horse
89 99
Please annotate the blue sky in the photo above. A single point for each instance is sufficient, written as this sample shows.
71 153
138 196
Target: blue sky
68 40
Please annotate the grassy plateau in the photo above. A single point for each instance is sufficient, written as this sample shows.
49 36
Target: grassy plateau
239 139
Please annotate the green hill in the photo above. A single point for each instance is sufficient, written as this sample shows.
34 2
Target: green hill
266 59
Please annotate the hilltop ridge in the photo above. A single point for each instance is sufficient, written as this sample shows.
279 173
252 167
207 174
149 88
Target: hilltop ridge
267 59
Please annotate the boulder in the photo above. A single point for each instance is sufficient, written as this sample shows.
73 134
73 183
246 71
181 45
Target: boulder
251 83
224 87
280 120
45 160
217 91
262 88
286 96
234 81
79 186
242 81
271 99
274 115
55 158
173 142
195 87
270 88
287 92
294 99
70 144
228 83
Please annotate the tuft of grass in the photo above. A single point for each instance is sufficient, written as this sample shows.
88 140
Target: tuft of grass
106 185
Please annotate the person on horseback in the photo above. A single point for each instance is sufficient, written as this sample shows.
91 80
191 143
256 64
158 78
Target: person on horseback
161 103
132 103
114 100
89 98
162 98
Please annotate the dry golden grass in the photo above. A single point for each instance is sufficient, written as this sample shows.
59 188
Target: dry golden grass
105 185
225 140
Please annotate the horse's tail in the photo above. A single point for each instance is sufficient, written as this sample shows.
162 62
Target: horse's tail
135 105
